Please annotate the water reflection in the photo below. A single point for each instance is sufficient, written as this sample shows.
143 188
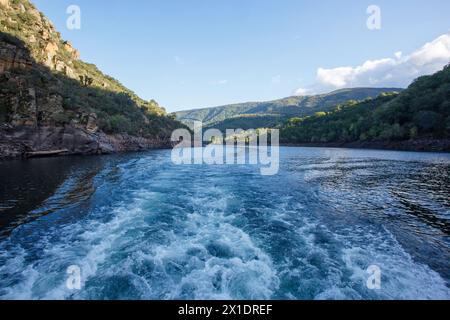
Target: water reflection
27 186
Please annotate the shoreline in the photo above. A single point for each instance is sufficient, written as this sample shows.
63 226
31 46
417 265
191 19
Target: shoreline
123 143
27 142
421 145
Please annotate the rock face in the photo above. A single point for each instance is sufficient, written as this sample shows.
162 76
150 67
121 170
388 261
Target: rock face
4 4
48 48
92 123
75 55
20 141
50 101
12 57
51 49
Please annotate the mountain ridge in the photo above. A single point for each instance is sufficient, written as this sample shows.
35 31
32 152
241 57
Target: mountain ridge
274 112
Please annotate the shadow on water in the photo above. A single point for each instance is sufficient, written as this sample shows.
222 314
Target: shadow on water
27 185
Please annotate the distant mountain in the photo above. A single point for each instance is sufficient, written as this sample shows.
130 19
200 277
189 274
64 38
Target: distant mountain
418 118
50 100
271 113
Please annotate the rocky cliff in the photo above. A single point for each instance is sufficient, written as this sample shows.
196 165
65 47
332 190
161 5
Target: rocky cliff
51 102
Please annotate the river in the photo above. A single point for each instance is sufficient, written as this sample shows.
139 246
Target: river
139 227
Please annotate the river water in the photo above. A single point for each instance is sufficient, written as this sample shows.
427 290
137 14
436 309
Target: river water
139 227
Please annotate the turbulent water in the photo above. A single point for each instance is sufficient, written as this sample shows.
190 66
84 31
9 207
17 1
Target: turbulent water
140 227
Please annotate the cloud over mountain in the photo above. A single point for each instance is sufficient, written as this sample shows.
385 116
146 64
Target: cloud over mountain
397 71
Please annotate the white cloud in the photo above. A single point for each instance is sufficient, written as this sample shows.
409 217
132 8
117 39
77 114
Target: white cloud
303 92
398 71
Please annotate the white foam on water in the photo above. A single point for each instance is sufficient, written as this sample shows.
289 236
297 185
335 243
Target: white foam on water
188 245
333 265
402 277
216 259
84 245
219 261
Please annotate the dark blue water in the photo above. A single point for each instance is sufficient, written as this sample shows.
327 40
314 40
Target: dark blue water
140 227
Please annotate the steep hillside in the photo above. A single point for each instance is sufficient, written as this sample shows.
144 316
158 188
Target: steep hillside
269 114
420 115
51 100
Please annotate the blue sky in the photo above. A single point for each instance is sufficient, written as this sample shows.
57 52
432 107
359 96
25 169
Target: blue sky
199 53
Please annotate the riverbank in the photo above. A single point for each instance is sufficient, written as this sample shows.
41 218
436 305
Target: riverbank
29 141
424 145
48 141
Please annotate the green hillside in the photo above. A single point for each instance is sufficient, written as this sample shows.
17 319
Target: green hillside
420 112
269 114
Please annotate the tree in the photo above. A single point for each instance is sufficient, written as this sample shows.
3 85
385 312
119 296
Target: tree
86 81
427 120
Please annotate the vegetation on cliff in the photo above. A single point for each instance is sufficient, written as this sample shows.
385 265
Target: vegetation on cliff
43 82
